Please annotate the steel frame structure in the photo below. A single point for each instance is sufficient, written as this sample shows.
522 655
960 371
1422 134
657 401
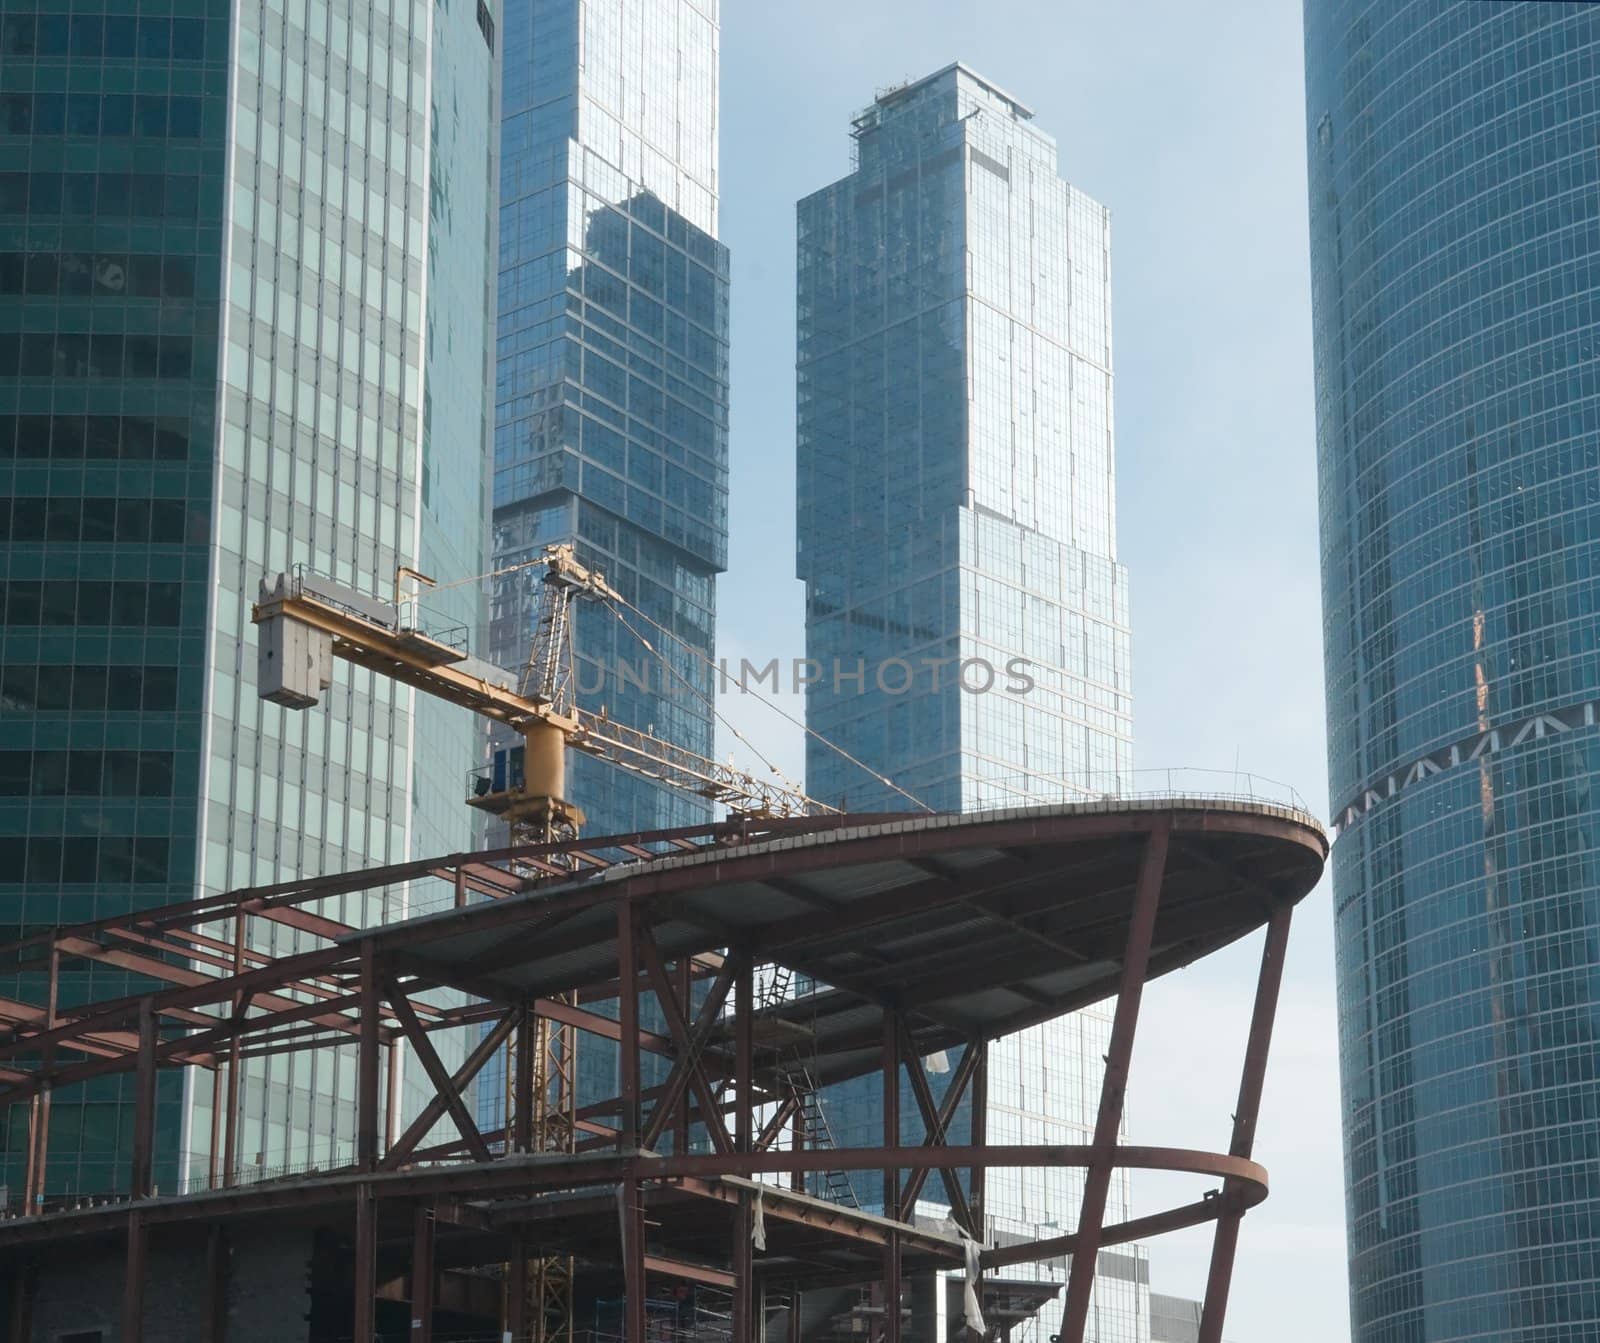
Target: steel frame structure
213 1003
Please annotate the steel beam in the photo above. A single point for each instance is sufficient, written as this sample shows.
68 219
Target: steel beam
934 1119
518 1177
672 1092
1225 1242
1113 1087
960 1081
681 1268
434 1110
443 1084
781 1116
690 1043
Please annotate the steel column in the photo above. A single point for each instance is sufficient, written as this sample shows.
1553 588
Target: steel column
628 1045
30 1177
230 1125
980 1134
1225 1241
891 1103
391 1093
977 1175
216 1311
633 1270
365 1277
743 1285
682 986
797 1178
367 1071
39 1141
144 1104
214 1163
133 1281
1097 1180
23 1282
516 1299
422 1274
744 1006
891 1174
527 1065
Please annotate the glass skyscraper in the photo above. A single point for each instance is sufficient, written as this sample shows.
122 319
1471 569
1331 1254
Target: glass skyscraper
611 425
957 541
611 396
246 259
1455 244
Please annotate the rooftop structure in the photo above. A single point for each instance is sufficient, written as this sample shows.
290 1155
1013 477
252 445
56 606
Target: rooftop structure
938 934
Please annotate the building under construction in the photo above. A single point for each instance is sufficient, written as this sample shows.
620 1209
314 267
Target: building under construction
697 1203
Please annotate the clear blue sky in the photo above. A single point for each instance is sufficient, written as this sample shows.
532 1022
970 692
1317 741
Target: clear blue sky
1187 121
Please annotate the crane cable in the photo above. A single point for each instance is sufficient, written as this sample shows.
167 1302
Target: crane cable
709 702
781 712
418 604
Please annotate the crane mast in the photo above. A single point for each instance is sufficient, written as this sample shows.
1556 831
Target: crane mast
306 621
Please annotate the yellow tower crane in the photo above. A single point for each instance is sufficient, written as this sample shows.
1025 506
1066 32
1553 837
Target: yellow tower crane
306 621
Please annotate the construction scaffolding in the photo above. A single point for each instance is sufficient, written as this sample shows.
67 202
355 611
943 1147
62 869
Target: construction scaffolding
931 933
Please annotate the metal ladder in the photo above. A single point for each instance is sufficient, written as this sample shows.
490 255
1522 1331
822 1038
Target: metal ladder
817 1135
777 986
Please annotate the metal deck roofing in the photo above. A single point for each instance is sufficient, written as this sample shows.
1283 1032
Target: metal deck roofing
976 925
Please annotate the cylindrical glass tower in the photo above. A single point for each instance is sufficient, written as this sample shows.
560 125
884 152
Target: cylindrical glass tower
1454 152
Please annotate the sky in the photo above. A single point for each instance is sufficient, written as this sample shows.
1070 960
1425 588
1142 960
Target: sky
1188 122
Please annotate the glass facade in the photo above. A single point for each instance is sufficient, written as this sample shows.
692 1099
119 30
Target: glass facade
612 393
1455 247
224 225
611 415
956 490
112 228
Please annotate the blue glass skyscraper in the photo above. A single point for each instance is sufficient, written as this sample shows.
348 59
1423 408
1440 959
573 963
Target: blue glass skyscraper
245 254
612 384
611 426
1455 244
957 540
